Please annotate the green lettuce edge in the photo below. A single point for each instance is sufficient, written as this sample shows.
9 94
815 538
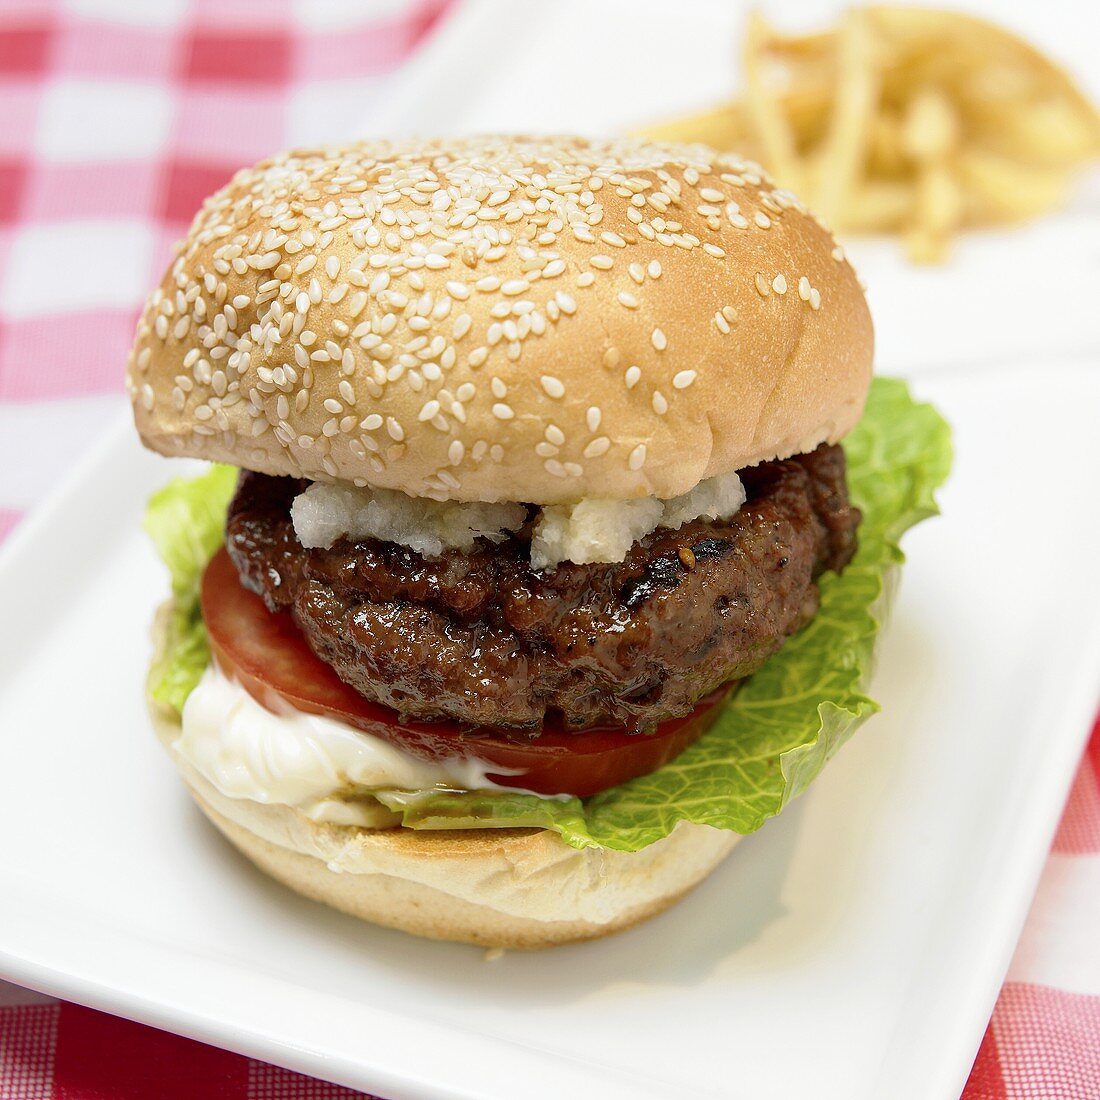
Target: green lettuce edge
186 522
774 735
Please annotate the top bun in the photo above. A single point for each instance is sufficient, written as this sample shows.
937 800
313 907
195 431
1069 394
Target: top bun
502 318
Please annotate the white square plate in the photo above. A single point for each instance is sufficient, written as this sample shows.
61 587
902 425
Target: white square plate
850 950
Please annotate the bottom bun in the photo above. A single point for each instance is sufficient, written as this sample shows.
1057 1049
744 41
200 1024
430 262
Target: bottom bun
423 910
508 888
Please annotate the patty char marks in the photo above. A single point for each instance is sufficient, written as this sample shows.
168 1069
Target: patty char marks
482 639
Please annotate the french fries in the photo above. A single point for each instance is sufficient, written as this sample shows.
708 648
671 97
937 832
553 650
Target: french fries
905 120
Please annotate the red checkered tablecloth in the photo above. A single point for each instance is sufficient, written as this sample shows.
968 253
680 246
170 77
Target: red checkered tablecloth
118 117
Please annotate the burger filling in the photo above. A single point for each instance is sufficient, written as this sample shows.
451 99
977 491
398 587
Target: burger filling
463 618
588 531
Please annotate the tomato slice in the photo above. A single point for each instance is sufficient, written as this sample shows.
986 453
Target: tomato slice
267 653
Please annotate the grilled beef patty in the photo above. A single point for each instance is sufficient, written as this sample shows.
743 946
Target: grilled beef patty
482 639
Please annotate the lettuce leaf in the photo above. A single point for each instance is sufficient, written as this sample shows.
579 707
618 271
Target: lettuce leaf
186 521
772 738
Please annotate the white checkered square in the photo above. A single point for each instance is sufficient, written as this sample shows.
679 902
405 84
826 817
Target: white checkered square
76 266
331 110
103 120
156 13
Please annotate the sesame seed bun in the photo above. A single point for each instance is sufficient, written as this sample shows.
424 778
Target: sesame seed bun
502 318
512 888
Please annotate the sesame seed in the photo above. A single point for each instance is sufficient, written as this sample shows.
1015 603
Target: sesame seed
409 213
637 457
687 557
779 283
683 379
721 323
555 435
502 411
761 219
815 298
762 285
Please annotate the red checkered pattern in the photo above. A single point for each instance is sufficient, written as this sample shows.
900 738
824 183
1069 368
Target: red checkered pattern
61 1051
118 117
1043 1042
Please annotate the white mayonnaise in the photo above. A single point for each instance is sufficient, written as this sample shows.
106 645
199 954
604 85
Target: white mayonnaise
302 760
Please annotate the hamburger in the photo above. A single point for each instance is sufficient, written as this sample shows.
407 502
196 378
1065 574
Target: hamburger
528 480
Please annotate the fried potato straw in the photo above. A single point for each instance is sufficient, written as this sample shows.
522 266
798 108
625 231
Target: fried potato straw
905 120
